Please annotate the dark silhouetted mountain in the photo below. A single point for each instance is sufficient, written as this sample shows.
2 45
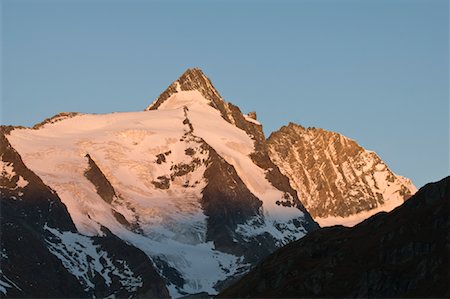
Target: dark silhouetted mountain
403 253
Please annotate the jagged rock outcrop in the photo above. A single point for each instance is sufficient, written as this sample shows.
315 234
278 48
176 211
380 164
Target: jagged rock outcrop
56 118
404 253
194 79
338 181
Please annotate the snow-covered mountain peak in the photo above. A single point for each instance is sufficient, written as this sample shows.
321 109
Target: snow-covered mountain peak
189 182
194 88
191 80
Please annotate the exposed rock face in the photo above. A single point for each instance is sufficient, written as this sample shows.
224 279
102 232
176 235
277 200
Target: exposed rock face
43 255
194 79
56 118
227 202
404 253
334 176
106 191
98 179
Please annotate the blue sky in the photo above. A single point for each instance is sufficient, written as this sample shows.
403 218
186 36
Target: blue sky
376 71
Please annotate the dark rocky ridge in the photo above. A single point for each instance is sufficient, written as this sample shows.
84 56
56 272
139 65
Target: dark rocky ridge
227 202
105 190
26 261
55 118
98 179
403 253
25 257
153 284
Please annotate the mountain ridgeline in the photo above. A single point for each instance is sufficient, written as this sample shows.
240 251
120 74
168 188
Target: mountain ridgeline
338 181
181 199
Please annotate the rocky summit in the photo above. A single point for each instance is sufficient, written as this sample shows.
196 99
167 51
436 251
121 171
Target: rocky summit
337 180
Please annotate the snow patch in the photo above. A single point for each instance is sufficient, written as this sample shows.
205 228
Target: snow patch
251 120
81 257
21 183
6 283
354 219
8 172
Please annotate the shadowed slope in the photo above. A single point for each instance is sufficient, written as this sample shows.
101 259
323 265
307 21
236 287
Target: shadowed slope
399 254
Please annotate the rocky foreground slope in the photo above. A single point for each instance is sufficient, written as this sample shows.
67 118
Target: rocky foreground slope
337 180
404 253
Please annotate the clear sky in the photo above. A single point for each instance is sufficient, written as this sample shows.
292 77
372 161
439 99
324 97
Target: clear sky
376 71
